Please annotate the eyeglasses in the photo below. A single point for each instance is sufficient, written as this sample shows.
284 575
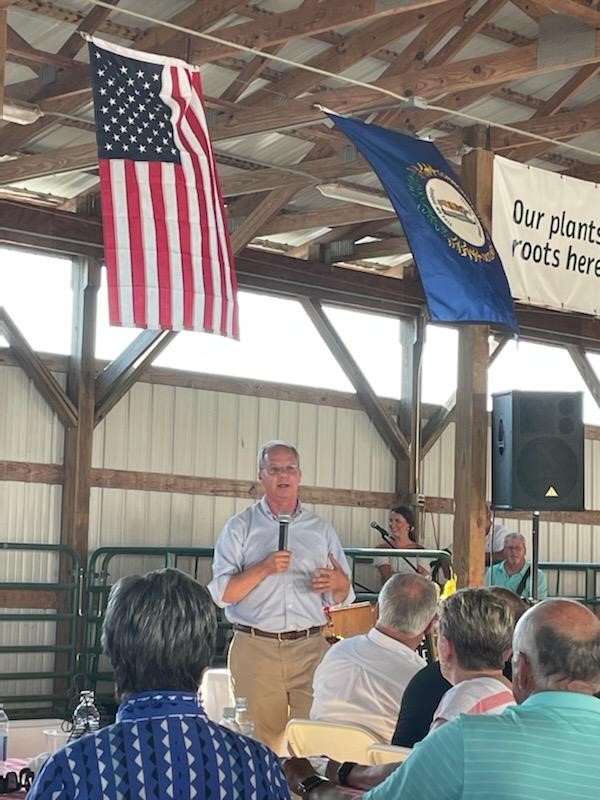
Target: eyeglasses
291 469
11 782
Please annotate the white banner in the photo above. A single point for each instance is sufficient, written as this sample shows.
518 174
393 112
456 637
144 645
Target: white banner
546 228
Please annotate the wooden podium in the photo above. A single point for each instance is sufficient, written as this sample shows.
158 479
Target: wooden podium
350 620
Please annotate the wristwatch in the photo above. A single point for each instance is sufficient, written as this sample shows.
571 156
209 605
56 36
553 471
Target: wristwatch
310 783
344 770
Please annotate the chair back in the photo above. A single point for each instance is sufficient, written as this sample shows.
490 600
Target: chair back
312 737
387 754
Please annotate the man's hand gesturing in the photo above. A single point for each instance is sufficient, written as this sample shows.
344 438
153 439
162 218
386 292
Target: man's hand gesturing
279 561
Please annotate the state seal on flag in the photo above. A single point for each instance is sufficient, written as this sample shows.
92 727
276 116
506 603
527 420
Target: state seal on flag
440 199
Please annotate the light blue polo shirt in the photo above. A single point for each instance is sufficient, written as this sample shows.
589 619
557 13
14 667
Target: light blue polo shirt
548 748
498 576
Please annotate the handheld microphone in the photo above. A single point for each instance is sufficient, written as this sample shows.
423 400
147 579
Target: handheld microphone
283 518
381 530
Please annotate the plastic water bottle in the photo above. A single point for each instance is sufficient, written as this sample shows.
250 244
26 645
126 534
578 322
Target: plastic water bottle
242 717
228 719
3 734
86 717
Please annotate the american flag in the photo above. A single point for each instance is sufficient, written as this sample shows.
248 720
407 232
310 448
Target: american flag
166 243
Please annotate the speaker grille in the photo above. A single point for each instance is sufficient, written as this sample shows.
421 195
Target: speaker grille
547 462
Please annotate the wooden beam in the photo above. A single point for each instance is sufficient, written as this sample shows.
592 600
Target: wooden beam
556 126
80 387
49 163
471 420
323 217
200 15
118 377
260 216
28 598
586 371
95 17
38 372
352 48
310 18
572 8
440 420
552 106
3 46
472 25
248 74
384 424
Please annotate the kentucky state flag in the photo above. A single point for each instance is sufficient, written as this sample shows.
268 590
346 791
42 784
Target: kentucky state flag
461 272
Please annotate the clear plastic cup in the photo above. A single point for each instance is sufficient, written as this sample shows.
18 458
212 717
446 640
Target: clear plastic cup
55 739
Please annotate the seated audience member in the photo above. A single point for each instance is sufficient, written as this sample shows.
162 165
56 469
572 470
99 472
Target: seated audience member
423 694
514 572
494 538
402 533
361 679
475 634
159 633
547 746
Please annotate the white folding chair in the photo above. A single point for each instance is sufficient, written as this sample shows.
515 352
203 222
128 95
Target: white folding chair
312 737
387 754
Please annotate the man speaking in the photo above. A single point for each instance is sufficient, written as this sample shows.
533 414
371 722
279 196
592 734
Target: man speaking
274 595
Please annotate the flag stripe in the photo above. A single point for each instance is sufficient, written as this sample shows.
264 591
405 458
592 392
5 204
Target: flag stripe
167 243
138 268
150 254
194 178
122 243
110 246
227 272
155 171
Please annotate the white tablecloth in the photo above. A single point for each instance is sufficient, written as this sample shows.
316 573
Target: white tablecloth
216 692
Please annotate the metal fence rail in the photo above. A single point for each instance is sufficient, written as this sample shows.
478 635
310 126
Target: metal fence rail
81 600
52 601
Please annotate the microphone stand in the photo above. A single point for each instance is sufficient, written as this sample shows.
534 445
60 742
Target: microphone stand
389 541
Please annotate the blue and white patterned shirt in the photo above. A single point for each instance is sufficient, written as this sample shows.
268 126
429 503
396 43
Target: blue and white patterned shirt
162 747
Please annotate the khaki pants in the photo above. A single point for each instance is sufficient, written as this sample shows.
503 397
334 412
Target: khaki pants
276 678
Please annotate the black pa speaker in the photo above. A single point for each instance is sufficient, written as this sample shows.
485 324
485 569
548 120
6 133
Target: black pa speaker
537 451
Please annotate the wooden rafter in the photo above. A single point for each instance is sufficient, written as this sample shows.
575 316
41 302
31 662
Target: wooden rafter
586 371
552 106
352 48
317 218
311 17
248 74
3 46
38 372
556 126
267 208
118 377
383 422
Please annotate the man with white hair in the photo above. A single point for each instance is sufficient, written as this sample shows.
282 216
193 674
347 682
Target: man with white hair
274 595
362 679
514 572
547 746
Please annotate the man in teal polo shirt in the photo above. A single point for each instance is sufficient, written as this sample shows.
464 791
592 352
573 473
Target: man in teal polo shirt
546 747
515 571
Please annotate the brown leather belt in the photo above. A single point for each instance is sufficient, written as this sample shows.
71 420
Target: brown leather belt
285 636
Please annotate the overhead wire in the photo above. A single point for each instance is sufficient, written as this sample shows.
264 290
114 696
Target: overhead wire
408 101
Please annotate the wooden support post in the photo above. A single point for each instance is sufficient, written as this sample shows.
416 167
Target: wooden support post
81 391
78 439
408 472
470 460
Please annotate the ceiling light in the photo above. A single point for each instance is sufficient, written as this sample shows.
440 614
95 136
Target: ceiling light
21 113
355 194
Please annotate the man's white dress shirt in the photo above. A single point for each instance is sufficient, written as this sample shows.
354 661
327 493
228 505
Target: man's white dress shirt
362 679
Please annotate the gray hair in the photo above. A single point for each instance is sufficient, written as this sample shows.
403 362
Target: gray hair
557 655
518 536
264 449
479 625
407 603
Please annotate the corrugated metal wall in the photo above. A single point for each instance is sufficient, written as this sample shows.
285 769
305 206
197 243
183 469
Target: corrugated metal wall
211 434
